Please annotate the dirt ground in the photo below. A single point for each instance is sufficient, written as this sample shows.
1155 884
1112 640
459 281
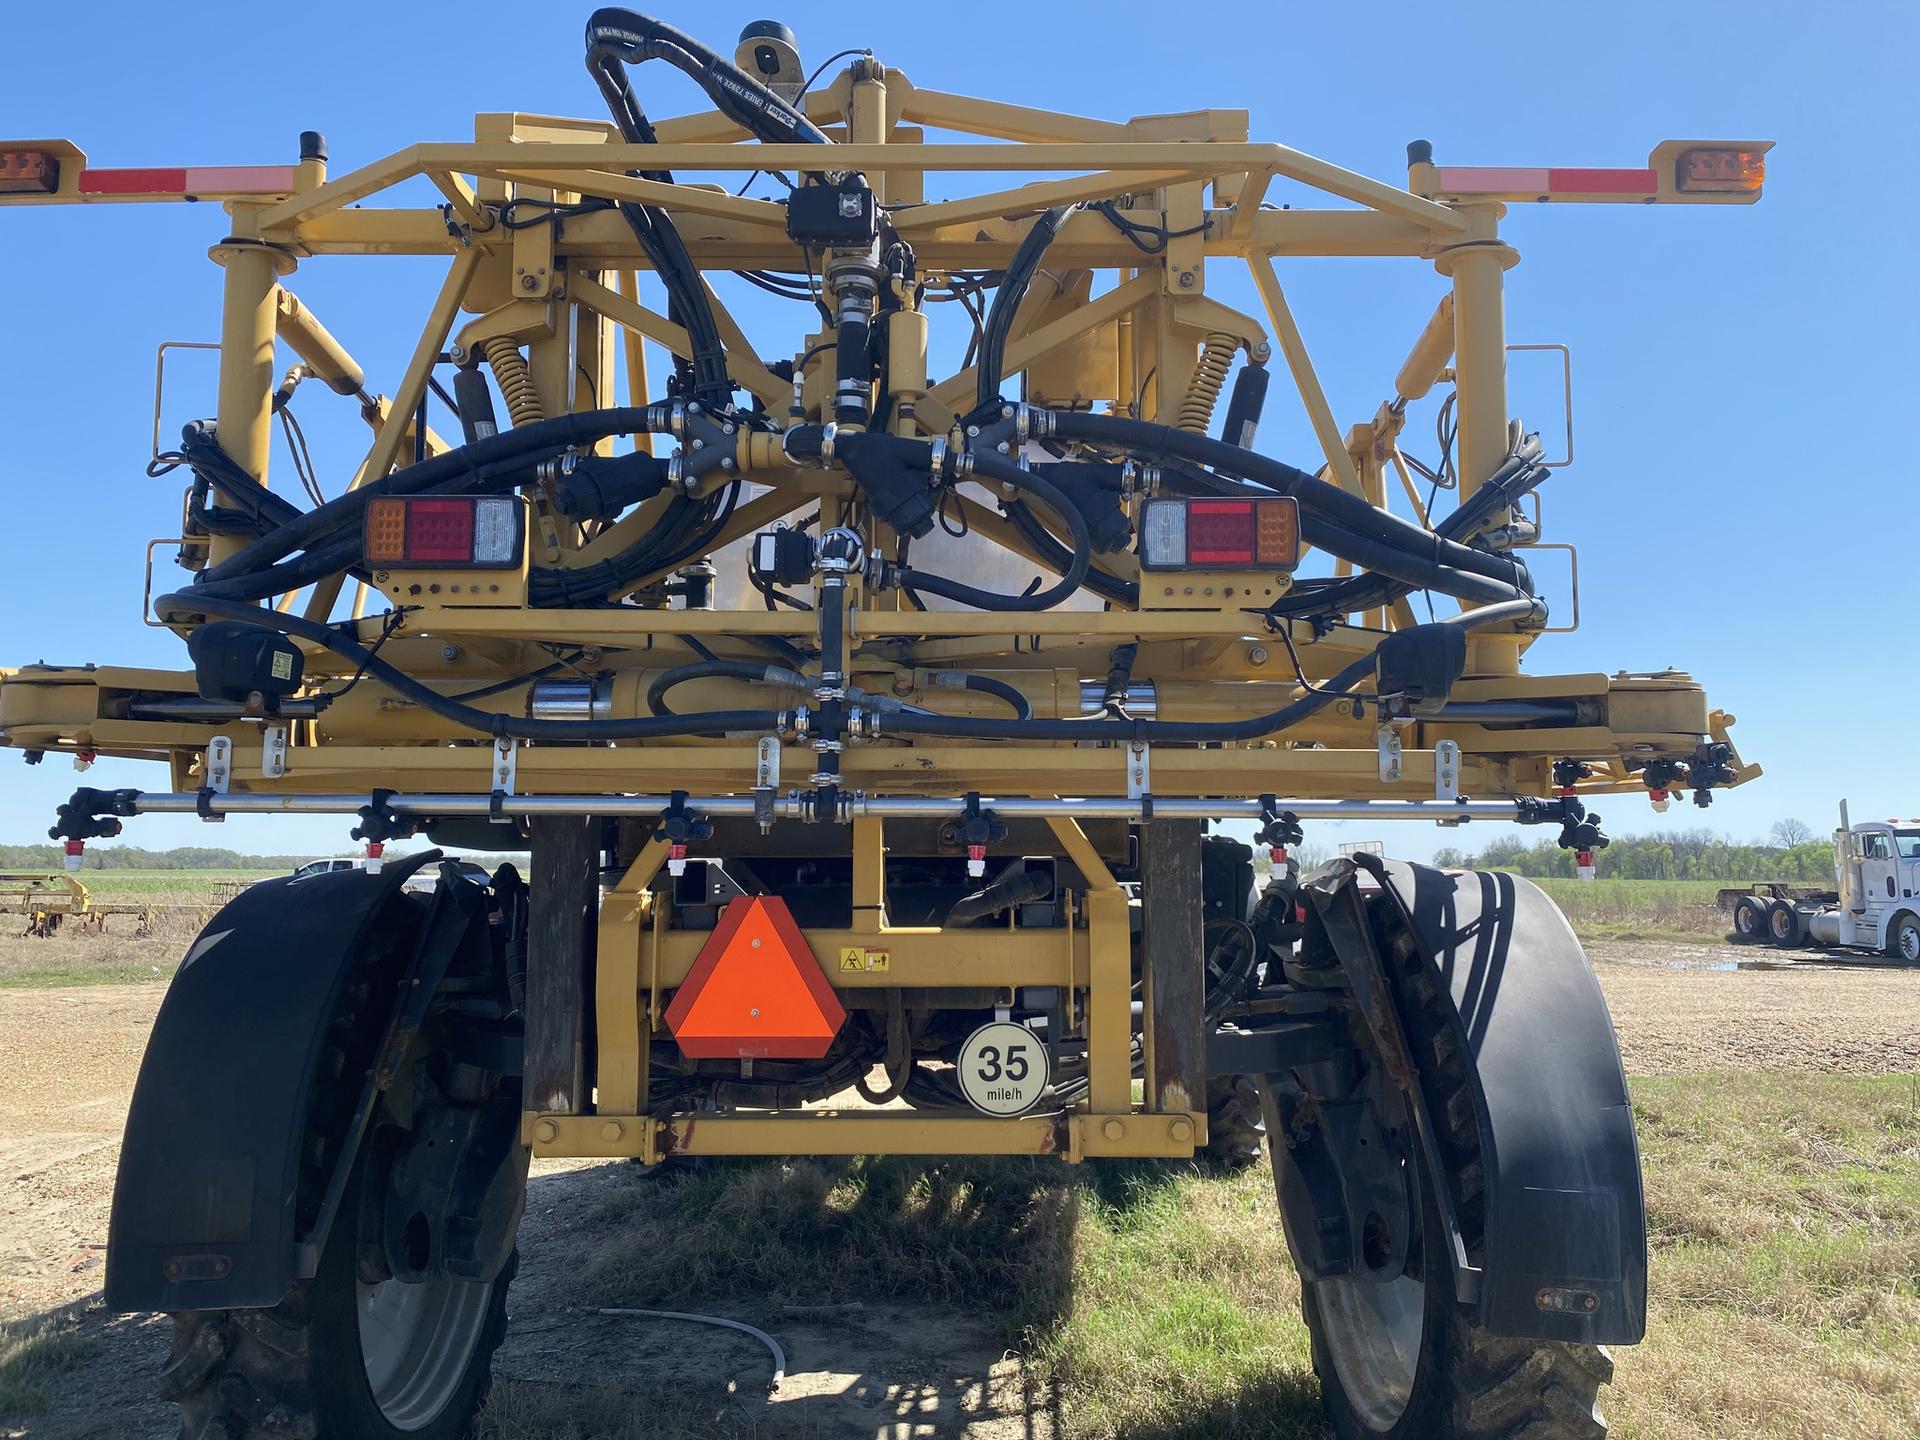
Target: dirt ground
68 1058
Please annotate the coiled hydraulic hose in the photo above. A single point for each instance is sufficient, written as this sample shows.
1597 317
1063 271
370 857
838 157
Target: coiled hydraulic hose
485 722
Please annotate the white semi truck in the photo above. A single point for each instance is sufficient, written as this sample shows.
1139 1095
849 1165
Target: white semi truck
1877 907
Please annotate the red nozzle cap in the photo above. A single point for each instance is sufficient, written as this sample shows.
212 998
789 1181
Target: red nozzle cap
1278 854
1659 793
76 847
375 849
1583 857
976 852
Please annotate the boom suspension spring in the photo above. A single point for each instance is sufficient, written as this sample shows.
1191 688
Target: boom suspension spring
515 380
1203 391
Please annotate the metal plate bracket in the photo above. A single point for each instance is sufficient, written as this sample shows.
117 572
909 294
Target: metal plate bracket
273 751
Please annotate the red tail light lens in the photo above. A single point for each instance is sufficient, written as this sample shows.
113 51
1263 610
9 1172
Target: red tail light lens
1250 534
484 532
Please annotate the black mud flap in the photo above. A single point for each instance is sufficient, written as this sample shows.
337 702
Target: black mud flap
203 1206
1564 1255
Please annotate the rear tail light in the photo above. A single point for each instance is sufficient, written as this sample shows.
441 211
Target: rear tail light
29 172
1250 534
463 532
1715 171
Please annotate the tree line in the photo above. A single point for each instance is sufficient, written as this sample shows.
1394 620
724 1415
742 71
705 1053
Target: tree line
1789 854
133 857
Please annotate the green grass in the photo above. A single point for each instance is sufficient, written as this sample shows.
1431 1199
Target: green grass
163 887
1158 1302
1641 909
122 951
33 1355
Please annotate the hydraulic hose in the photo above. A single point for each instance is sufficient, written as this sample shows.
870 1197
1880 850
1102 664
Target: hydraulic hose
616 33
485 722
487 457
993 467
750 671
984 685
1006 300
1255 727
1318 498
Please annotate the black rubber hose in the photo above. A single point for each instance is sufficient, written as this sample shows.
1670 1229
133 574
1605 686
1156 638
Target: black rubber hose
994 467
614 32
485 722
988 685
1006 300
753 672
1057 557
1316 496
1023 887
473 461
1192 731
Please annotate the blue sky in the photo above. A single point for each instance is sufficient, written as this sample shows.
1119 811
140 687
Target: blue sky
1738 512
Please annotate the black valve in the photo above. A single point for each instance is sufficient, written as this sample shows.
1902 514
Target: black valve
1278 829
978 829
379 824
1661 777
1569 773
1579 831
679 827
1712 765
88 814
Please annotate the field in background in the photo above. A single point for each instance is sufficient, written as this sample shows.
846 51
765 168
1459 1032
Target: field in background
1640 909
1155 1301
123 951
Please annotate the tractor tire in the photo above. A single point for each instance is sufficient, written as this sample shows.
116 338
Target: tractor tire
1785 926
1401 1360
1903 941
339 1356
1236 1126
311 1368
1749 919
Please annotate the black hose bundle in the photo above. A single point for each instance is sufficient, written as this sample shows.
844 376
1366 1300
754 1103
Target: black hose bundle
617 38
486 722
1006 301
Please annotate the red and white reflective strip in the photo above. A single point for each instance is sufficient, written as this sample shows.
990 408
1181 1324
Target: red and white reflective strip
1519 182
181 182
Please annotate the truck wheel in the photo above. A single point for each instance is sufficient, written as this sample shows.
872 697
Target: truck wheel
1749 918
1904 942
1784 924
348 1352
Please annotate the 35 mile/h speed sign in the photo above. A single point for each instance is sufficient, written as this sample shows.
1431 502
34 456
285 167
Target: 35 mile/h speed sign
1003 1068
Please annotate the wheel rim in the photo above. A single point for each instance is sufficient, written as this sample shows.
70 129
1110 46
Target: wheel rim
1373 1333
1910 941
1743 920
1782 925
417 1341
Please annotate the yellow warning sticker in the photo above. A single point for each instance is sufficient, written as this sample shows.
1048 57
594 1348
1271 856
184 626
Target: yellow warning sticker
858 960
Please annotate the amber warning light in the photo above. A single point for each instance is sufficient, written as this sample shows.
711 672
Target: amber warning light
1715 171
29 172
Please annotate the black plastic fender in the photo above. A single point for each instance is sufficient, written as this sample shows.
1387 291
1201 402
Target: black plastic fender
1565 1216
203 1206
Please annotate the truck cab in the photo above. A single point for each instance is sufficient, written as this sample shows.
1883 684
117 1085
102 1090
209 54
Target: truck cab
1878 862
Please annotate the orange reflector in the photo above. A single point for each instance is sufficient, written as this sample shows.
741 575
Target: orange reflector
385 538
1720 172
755 991
28 172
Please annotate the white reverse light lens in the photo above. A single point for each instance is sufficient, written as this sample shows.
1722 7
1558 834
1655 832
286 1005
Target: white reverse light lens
496 530
1163 533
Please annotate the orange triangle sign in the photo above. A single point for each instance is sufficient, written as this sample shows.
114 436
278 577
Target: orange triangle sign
756 990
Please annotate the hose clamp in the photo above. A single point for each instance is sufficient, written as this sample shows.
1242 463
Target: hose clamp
937 456
827 433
